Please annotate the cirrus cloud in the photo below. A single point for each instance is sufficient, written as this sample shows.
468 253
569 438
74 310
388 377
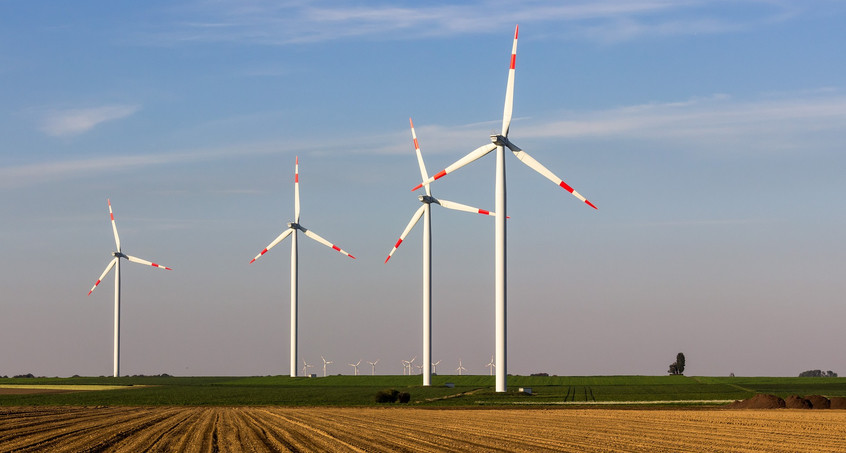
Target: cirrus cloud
70 122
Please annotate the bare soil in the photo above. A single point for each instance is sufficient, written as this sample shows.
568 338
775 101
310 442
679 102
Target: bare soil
212 429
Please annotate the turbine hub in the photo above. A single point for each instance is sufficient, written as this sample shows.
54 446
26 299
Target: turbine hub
427 199
294 225
499 140
118 255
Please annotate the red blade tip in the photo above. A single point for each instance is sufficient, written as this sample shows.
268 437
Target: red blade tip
591 205
417 187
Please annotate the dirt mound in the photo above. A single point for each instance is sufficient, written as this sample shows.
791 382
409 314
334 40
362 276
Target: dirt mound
819 402
759 401
838 402
797 402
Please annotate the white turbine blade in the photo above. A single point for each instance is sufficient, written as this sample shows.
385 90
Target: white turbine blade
538 167
423 174
509 90
148 263
463 207
273 244
414 219
473 155
108 268
114 227
319 239
297 191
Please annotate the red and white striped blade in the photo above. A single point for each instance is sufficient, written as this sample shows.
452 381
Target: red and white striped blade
423 174
538 167
509 90
319 239
273 244
473 155
114 227
297 190
103 275
135 259
414 219
463 207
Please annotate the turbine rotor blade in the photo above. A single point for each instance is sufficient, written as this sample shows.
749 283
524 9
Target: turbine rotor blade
273 244
149 263
509 90
114 227
538 167
103 275
414 219
319 239
423 174
297 190
463 207
473 155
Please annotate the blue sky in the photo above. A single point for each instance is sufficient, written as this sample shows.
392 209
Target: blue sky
709 134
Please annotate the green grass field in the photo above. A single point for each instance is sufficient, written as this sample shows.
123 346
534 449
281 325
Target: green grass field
360 390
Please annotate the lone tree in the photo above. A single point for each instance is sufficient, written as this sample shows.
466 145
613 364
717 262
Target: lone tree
677 367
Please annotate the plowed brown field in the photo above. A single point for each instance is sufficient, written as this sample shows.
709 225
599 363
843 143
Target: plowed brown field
213 429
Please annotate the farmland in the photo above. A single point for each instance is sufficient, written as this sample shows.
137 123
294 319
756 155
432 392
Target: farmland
359 390
208 429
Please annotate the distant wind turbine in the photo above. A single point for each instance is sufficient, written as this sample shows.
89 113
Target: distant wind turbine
460 368
373 367
425 212
293 227
355 367
491 365
306 366
325 362
499 142
435 367
115 263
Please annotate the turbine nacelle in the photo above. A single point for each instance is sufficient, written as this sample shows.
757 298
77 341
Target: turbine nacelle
295 226
501 140
428 199
119 255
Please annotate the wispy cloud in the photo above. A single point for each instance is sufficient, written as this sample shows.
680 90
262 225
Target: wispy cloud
283 23
805 122
64 123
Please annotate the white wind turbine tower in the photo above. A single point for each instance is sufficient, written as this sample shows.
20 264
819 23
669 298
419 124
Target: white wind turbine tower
355 367
425 212
325 362
306 366
460 368
292 228
115 263
499 142
491 365
435 367
373 367
404 367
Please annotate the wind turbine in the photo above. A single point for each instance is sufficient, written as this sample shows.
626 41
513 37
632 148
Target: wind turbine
404 367
435 367
306 366
425 212
460 368
355 367
491 365
373 367
325 362
115 263
292 228
499 142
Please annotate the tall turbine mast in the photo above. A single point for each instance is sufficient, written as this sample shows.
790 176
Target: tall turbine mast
115 263
425 212
499 142
292 229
